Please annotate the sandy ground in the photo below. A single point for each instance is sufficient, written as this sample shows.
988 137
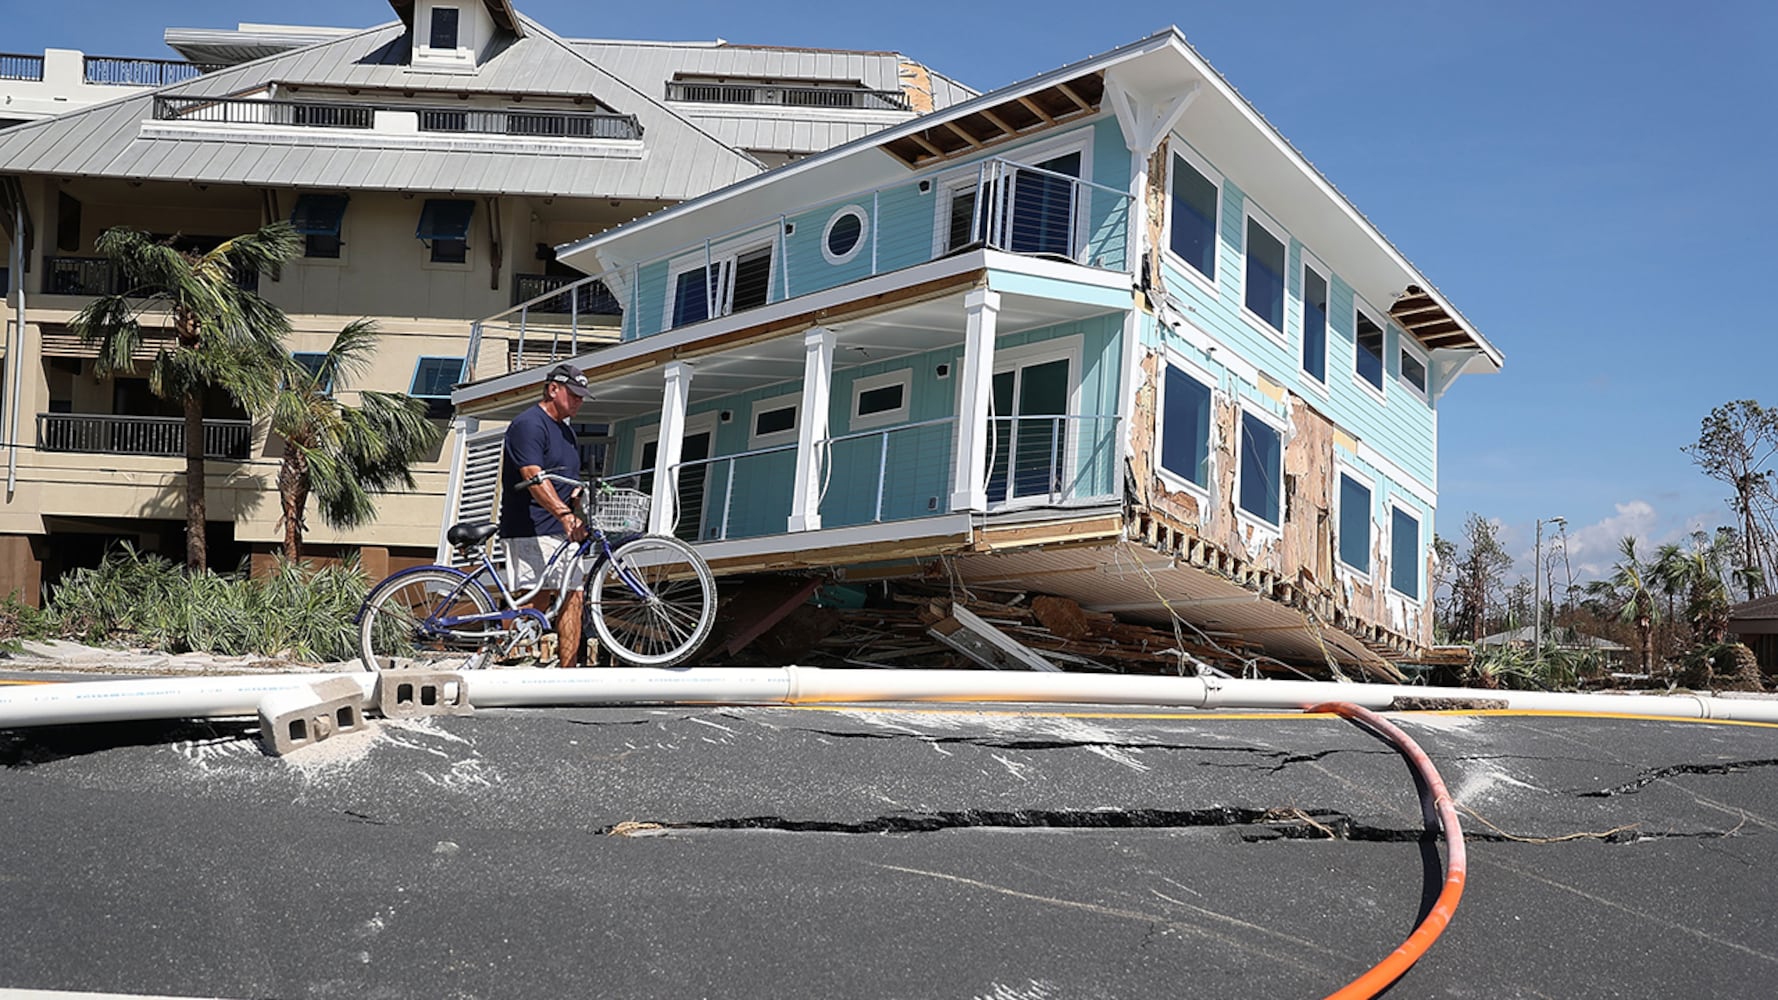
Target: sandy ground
61 656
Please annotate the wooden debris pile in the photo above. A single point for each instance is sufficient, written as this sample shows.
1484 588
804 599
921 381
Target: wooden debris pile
917 625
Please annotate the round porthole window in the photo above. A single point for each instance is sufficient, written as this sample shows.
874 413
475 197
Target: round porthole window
844 235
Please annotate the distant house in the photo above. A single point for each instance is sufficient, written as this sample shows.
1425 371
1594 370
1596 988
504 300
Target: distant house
1560 637
1755 624
1102 333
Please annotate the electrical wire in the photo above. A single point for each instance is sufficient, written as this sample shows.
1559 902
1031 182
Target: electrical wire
1391 968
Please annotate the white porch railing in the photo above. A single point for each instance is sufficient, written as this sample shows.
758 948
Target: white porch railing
899 473
106 434
1000 204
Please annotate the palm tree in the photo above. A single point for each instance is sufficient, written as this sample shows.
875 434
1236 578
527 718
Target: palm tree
225 337
1627 589
1707 573
340 454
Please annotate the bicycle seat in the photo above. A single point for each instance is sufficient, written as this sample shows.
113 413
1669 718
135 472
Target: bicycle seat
470 534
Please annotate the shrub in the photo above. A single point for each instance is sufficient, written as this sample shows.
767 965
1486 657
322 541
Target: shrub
297 610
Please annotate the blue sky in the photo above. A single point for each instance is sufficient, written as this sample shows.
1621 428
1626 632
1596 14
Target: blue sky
1589 181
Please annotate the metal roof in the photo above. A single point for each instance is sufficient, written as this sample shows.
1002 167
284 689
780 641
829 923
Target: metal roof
679 160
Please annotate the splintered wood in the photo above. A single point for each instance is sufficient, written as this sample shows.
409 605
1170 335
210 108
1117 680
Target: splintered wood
922 628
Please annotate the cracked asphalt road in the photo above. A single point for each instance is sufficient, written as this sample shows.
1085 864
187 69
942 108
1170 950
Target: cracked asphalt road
899 852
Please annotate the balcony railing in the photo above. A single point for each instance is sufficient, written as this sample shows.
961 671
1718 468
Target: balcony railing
14 66
93 276
323 114
111 70
551 124
105 434
1002 205
788 96
588 297
899 473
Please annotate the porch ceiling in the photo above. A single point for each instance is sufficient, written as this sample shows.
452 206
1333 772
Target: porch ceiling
904 331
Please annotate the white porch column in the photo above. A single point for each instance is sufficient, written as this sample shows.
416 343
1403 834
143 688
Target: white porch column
969 488
811 432
663 512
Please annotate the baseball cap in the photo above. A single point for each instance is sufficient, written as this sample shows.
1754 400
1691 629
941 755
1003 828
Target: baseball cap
569 376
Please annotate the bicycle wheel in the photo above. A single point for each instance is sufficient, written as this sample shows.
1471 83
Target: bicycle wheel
653 601
394 629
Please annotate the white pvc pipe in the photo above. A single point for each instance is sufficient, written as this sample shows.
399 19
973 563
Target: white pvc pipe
160 698
113 701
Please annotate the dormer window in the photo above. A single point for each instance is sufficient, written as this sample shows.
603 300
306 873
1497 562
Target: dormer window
444 28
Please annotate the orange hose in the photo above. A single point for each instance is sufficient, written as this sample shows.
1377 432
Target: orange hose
1456 862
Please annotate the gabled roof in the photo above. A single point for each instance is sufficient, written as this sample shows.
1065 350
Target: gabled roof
1225 127
109 140
500 10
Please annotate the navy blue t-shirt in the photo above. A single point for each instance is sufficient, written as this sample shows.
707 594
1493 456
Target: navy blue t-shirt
533 438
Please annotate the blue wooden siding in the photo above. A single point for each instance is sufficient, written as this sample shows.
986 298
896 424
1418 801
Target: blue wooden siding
900 230
1401 426
918 459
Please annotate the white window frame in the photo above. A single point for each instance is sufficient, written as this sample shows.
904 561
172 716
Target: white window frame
1241 513
949 182
792 401
1405 344
1171 358
695 423
1250 211
852 211
1419 556
722 257
1307 262
1370 484
1069 347
1178 147
1378 393
903 377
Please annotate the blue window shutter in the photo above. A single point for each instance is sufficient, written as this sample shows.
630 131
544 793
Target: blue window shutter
319 214
445 219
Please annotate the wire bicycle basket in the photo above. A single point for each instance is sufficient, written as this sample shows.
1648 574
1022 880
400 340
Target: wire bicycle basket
620 511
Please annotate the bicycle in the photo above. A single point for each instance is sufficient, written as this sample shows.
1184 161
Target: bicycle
651 599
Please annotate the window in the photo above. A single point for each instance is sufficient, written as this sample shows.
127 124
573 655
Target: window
730 284
880 399
844 235
317 218
310 361
1037 218
1265 274
1404 553
1192 217
433 381
1185 427
444 28
774 420
1355 523
1314 324
444 228
1262 469
1369 362
1413 370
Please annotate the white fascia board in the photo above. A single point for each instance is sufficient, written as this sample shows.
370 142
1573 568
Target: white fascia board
866 145
810 543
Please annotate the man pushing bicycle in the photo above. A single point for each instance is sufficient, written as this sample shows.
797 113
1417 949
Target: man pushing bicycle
544 519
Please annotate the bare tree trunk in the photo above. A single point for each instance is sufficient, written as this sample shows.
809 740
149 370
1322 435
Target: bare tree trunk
197 554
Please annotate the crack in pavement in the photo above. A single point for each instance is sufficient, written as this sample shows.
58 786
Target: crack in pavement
1283 758
1260 825
1653 775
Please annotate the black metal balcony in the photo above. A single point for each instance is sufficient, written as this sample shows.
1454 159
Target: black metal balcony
94 276
126 72
591 298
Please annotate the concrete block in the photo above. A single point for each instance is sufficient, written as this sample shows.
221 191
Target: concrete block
411 694
300 717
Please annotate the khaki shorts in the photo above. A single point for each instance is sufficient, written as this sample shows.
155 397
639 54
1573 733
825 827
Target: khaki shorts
528 557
